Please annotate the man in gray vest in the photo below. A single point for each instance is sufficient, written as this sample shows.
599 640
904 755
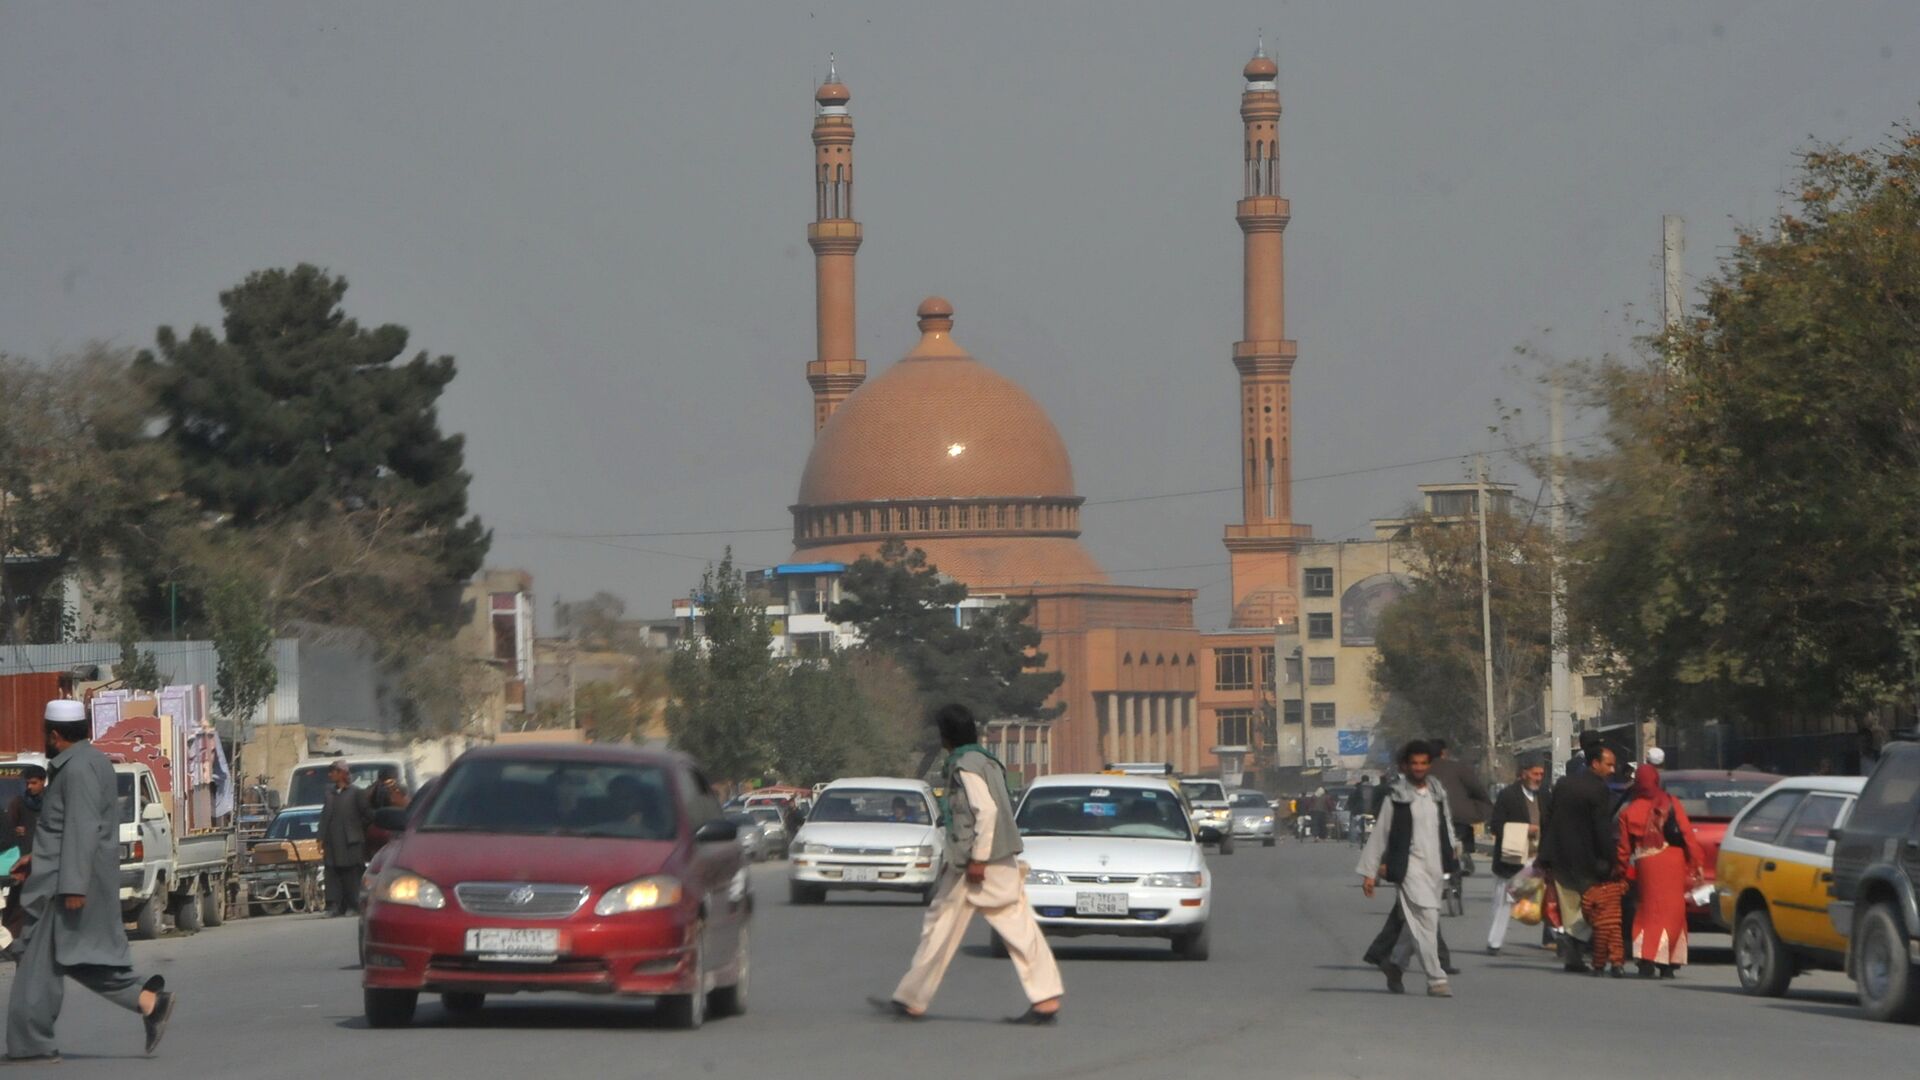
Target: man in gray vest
983 873
74 930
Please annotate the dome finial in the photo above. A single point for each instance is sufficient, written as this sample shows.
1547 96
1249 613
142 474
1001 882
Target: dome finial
1261 69
936 315
833 70
832 95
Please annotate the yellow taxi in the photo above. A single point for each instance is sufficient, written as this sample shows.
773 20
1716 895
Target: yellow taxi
1772 880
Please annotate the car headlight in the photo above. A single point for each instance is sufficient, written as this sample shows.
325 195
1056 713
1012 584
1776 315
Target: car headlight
646 894
1044 877
922 851
411 890
1187 879
810 849
1268 819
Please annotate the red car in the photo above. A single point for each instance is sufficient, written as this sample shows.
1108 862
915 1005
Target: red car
1712 797
593 869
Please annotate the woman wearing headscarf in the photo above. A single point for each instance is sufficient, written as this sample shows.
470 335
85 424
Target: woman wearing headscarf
1663 861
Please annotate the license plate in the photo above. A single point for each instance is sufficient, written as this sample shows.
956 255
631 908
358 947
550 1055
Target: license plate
860 873
514 944
1100 903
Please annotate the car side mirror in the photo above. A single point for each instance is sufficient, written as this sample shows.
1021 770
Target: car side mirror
391 818
153 811
1833 834
1209 834
716 831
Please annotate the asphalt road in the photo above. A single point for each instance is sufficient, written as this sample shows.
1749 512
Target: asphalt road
1284 995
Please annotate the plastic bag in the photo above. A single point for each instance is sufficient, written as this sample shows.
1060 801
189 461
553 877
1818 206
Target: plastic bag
1528 884
1527 911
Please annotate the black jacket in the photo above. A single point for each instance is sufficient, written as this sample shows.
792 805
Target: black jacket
1466 795
1577 844
344 818
1511 805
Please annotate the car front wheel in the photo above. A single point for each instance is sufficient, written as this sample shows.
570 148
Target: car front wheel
1885 977
688 1011
1197 945
389 1008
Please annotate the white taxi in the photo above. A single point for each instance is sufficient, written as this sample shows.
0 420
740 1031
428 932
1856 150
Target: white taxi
872 833
1114 854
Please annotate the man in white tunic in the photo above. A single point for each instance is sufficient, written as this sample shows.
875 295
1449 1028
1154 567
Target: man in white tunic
984 874
1412 846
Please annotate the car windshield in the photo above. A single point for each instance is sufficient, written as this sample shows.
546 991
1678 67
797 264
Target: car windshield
877 806
615 800
1250 800
1714 797
765 814
302 826
310 783
1148 813
740 819
1204 790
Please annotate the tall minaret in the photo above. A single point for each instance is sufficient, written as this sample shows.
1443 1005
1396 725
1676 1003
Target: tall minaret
834 236
1262 550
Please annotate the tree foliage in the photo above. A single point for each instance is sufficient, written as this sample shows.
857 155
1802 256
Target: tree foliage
904 609
1750 534
243 642
1431 664
300 418
724 682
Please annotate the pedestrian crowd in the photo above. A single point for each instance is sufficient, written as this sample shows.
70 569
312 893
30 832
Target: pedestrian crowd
1605 874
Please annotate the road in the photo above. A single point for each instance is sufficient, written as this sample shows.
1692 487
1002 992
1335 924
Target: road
1284 994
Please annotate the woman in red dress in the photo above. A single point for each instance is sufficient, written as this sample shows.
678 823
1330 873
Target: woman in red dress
1663 861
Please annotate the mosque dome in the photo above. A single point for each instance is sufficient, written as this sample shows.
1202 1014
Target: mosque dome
949 455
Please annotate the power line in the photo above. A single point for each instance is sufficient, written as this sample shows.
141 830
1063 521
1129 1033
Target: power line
1115 501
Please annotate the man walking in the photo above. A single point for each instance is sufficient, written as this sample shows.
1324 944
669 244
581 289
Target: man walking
344 818
23 815
1465 794
982 874
1412 847
72 899
1520 803
1577 846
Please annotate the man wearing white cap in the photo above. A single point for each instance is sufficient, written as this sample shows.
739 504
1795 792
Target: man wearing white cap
72 900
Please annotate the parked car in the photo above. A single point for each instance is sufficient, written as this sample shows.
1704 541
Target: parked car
1115 854
1252 817
1876 880
283 867
1207 799
1712 797
1774 869
753 842
773 829
877 833
598 869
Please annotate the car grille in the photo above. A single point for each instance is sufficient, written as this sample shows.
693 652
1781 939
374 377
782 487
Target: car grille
859 851
520 900
1103 879
563 966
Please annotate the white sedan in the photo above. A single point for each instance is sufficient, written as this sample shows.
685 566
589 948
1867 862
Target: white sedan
875 833
1114 854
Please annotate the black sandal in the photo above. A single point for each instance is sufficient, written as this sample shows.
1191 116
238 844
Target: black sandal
1035 1018
890 1007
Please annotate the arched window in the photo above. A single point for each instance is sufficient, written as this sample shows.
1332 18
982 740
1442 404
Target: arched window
946 518
1273 483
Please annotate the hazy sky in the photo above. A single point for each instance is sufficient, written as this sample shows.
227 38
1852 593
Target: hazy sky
600 209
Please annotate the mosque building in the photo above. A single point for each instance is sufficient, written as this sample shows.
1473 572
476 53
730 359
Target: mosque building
942 452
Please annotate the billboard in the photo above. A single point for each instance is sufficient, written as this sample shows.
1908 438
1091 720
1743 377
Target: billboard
1355 743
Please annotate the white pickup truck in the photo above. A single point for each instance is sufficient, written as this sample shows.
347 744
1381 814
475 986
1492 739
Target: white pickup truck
163 870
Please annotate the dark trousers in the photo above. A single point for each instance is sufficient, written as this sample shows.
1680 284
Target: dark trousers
343 888
1382 947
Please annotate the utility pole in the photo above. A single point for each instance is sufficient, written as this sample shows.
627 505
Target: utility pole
1486 608
1673 297
573 702
1560 705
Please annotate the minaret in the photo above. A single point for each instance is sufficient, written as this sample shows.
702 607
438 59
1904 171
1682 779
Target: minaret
834 236
1262 549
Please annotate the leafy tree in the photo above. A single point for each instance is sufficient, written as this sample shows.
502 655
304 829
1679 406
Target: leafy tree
725 704
1431 666
82 489
904 609
138 668
824 722
300 417
1750 536
243 639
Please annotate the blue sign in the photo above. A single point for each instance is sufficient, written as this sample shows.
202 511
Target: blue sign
1355 743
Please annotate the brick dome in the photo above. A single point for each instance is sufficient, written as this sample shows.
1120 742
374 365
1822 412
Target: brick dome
942 448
